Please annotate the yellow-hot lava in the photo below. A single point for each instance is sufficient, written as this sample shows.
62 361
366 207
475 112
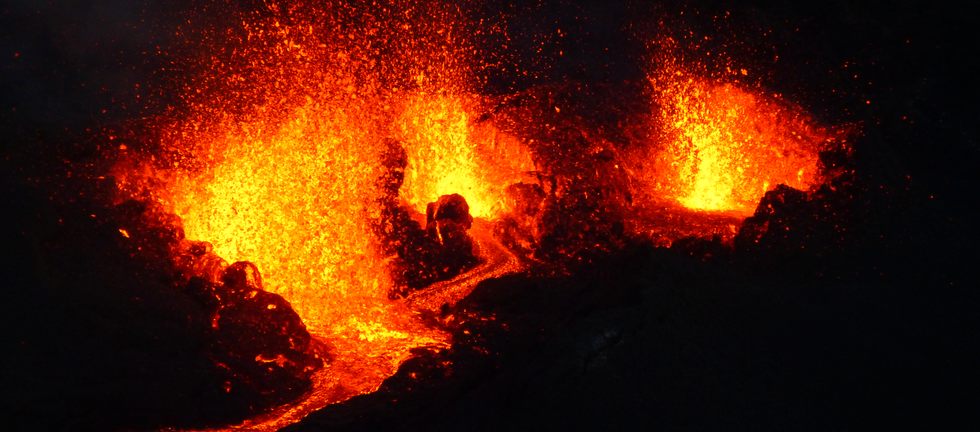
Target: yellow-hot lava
722 145
276 156
450 153
293 198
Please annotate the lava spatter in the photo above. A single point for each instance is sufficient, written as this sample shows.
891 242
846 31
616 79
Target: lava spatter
274 154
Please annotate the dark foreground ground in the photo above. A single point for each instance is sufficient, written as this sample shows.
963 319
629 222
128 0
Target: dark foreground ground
868 327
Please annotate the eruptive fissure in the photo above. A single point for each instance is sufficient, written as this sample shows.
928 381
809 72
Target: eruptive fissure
346 154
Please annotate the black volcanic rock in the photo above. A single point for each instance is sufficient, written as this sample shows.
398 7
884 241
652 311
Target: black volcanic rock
440 251
448 209
447 221
107 332
777 221
420 256
517 228
259 337
652 337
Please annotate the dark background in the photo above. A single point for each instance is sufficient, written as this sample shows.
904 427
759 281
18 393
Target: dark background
876 331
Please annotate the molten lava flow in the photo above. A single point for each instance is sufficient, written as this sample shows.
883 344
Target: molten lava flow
276 153
725 145
449 153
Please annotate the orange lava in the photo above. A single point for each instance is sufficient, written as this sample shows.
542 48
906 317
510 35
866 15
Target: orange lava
723 145
276 155
449 153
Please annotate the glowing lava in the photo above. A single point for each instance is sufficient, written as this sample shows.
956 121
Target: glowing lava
275 155
724 145
450 153
292 188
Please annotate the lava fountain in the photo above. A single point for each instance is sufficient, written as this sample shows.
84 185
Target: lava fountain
721 145
275 155
448 152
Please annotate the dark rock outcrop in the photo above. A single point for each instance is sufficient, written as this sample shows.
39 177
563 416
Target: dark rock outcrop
122 323
421 256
